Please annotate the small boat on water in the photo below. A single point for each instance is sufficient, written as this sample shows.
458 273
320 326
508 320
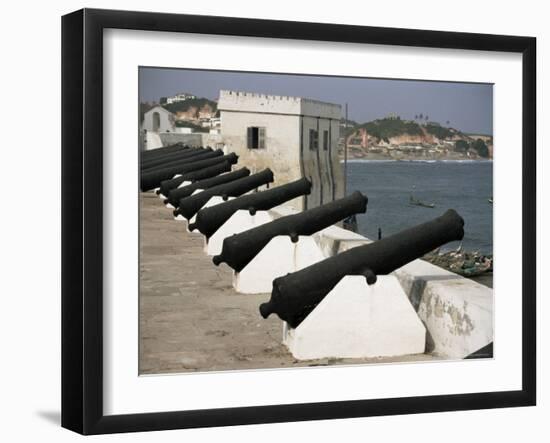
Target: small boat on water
415 202
490 200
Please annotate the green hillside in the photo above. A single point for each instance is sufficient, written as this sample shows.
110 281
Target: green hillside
439 131
385 128
191 103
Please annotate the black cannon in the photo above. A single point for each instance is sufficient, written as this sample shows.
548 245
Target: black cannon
189 206
152 179
187 158
175 195
209 220
166 150
200 174
295 295
238 250
144 155
172 157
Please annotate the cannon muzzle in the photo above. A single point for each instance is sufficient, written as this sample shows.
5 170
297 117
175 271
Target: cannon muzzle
267 308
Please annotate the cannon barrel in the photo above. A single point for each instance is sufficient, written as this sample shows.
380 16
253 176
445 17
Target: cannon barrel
175 195
210 219
295 295
200 174
238 250
162 151
151 179
172 157
167 159
189 206
167 150
188 158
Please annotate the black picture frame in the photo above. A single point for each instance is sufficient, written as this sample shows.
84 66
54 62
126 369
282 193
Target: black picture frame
82 231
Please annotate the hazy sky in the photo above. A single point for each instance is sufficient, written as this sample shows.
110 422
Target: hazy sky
468 106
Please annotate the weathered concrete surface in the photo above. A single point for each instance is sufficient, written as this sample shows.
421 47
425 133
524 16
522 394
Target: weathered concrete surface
191 319
360 320
457 311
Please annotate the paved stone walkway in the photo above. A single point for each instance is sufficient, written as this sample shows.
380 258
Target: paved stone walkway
191 319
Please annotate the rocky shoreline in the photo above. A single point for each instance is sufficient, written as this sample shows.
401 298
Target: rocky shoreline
378 156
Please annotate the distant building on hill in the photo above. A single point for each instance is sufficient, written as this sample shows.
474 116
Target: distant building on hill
158 119
295 137
180 97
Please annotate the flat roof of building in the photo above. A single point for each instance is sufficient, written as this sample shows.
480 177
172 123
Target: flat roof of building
276 104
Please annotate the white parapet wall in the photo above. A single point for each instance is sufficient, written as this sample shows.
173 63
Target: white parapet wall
457 311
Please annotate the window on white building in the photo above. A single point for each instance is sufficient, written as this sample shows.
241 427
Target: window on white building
326 141
313 140
255 137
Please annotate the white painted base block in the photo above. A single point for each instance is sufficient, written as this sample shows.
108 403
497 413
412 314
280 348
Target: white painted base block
279 257
185 183
356 320
240 221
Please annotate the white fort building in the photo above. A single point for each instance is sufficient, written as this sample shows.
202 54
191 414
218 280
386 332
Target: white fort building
295 137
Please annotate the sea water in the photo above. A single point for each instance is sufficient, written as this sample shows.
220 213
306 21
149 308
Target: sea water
463 185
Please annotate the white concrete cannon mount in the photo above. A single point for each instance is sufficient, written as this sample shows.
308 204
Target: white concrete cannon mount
279 257
356 320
